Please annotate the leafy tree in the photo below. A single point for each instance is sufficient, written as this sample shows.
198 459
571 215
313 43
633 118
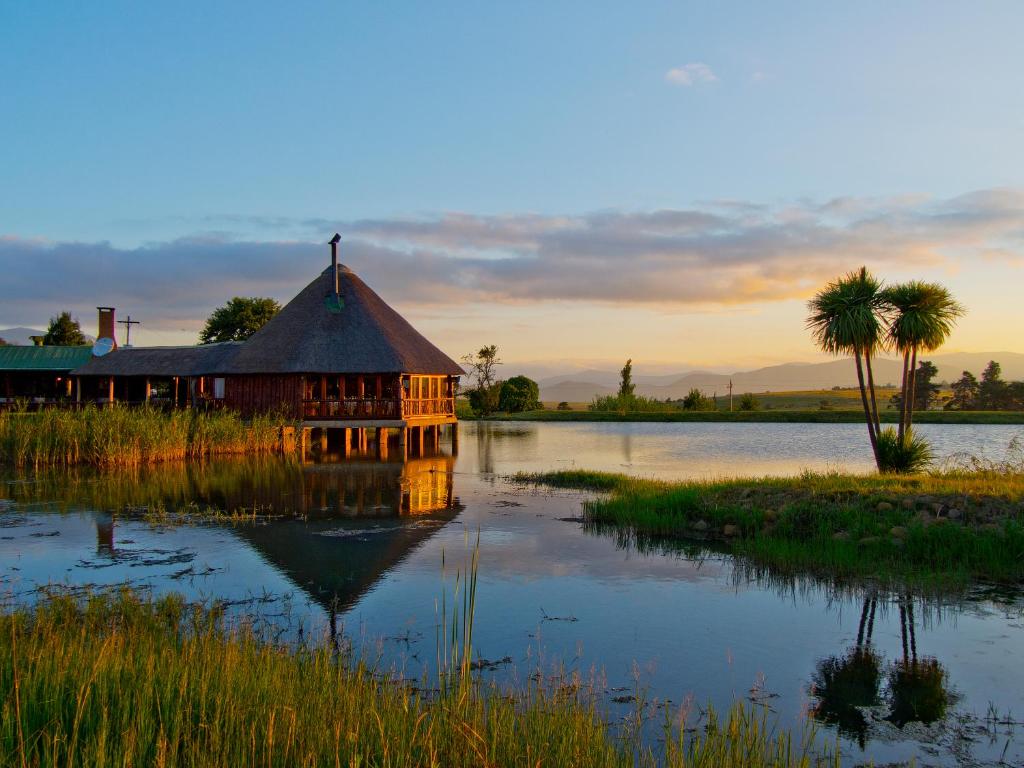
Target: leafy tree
482 367
845 319
626 388
926 391
992 391
1015 396
922 316
563 406
965 393
64 331
696 401
239 319
3 342
519 394
484 401
748 402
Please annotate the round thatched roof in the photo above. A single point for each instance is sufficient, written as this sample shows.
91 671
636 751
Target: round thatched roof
311 334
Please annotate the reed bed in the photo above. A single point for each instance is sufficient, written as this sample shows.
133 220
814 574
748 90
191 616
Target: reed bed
122 680
122 436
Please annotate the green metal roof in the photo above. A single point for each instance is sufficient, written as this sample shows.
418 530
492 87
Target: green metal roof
14 358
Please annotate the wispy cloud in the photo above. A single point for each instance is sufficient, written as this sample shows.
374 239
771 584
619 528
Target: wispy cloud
727 252
691 74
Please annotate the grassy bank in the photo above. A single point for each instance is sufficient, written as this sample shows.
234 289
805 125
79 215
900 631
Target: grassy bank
771 416
121 681
121 436
941 529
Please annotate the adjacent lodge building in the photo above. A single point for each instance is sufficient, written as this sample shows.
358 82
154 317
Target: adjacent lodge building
336 357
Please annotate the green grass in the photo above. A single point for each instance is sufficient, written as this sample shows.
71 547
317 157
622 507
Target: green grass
123 437
840 526
125 681
849 416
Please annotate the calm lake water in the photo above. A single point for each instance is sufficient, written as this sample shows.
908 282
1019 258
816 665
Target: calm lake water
552 596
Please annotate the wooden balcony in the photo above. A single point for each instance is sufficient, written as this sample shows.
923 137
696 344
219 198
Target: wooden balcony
372 408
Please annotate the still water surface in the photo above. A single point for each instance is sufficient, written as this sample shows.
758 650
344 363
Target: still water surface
552 596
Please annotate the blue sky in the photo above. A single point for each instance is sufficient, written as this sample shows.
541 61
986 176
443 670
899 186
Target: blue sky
143 125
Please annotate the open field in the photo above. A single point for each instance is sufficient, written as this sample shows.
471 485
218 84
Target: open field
126 681
806 400
932 529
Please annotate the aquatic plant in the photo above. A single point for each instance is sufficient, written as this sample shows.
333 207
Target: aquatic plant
120 436
122 680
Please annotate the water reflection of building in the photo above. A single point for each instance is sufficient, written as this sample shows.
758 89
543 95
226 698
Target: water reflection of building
334 529
362 519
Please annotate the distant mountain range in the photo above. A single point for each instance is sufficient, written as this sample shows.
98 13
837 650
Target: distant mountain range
586 385
20 336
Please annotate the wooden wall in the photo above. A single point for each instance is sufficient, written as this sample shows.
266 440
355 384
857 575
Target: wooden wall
264 393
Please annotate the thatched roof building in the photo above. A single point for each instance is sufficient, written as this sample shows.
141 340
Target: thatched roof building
336 352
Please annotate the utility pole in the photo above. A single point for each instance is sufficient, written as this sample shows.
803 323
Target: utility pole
730 395
128 329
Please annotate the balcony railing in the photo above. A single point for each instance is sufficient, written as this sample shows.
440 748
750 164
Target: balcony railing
371 408
441 406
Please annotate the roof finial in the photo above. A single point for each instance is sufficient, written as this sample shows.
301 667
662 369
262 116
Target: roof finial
334 260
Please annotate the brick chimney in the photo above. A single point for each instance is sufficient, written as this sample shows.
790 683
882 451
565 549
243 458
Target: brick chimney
106 324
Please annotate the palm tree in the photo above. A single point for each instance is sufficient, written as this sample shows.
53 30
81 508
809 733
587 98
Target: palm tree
846 319
922 316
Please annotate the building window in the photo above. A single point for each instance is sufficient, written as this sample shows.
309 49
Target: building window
218 389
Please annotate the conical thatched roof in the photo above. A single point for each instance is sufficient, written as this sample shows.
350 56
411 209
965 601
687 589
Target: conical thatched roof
364 336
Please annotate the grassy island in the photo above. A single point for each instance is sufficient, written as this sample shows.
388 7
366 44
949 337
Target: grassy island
936 529
118 680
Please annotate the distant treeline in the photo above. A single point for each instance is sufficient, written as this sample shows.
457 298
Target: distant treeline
991 393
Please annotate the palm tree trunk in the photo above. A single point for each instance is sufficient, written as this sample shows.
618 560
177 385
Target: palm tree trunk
867 407
913 389
871 389
903 395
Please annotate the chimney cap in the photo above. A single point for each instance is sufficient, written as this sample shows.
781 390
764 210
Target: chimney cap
335 240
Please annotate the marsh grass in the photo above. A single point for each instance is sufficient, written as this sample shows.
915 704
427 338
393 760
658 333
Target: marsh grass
124 437
937 530
122 680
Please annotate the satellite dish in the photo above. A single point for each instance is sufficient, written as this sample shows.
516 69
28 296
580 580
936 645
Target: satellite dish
102 346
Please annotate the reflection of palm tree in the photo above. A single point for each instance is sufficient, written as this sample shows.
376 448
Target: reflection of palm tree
917 687
844 685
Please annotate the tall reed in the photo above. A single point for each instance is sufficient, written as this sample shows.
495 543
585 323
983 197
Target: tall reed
121 436
119 680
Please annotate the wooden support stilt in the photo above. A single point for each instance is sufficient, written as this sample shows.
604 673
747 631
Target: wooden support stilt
323 441
382 444
287 439
419 441
455 439
304 445
435 433
110 392
149 390
403 442
346 442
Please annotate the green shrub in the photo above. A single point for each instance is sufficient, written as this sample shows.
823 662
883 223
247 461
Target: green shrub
907 456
